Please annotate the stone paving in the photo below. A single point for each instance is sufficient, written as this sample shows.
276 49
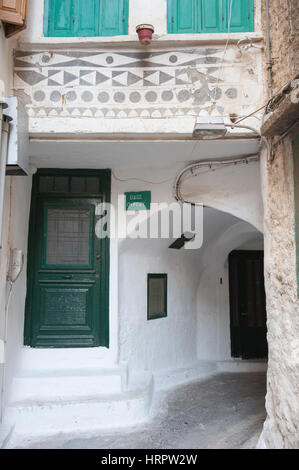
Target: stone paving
226 411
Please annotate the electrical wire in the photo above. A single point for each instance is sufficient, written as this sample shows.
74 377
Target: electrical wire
140 179
194 166
226 45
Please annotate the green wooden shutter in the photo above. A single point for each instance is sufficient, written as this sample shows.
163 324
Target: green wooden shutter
212 16
113 17
209 16
242 19
59 18
182 16
85 18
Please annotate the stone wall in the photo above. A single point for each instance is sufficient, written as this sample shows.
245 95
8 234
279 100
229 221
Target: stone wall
284 26
281 427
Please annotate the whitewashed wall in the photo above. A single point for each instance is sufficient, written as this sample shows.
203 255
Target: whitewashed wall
83 85
15 232
140 11
198 322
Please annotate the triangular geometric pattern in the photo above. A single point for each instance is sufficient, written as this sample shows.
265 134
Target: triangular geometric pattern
30 76
101 78
56 76
133 78
151 78
120 84
165 78
87 77
119 78
69 78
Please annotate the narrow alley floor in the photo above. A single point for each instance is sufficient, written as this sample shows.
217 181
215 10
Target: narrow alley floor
226 411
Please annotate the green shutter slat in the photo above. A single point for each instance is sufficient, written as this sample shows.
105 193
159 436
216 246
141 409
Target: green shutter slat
209 16
212 16
186 16
60 18
242 16
182 16
86 18
113 17
74 18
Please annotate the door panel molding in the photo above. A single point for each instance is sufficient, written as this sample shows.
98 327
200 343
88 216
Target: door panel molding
47 282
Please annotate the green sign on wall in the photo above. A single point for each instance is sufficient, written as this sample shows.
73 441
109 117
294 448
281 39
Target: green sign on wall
138 201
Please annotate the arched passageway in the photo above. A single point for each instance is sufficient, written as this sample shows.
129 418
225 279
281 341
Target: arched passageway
197 326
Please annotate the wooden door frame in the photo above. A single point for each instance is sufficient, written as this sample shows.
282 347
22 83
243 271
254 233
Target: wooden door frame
105 177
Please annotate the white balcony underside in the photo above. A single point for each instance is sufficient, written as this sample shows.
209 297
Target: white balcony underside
132 154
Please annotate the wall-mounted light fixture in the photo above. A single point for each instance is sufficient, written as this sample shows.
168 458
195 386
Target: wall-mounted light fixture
145 33
209 128
180 242
213 127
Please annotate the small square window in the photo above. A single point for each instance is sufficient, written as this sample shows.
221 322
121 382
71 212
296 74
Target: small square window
156 296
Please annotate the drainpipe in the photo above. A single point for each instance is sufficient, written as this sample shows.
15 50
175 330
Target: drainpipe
4 131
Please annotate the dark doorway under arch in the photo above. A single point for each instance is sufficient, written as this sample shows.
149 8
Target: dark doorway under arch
247 305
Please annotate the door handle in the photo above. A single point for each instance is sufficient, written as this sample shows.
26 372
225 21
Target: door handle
244 314
98 257
67 277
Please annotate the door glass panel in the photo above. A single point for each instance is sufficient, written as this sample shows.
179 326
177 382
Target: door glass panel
46 184
61 184
78 184
68 237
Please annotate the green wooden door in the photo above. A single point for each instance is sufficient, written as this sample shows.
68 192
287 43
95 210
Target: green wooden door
78 18
68 269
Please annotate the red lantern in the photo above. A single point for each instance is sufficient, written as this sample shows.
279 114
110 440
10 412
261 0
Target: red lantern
145 33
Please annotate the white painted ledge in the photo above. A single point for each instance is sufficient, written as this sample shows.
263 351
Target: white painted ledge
130 41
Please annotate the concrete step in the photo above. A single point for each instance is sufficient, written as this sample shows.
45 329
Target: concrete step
65 376
35 389
44 419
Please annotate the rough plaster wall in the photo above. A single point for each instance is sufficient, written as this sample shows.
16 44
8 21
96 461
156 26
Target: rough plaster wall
281 427
284 25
